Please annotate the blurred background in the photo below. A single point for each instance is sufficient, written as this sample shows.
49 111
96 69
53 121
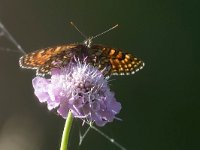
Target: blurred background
161 103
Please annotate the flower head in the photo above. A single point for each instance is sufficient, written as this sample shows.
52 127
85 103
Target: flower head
81 89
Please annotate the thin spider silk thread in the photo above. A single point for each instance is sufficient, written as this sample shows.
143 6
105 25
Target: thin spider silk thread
11 38
112 140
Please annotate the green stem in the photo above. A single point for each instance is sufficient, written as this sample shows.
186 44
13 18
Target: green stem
66 131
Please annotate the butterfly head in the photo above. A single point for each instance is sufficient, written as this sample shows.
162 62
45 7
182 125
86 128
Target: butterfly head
88 42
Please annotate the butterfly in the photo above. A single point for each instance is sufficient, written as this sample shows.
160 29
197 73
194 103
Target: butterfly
116 61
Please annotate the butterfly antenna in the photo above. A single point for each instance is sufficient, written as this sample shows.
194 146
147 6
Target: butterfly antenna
78 30
105 31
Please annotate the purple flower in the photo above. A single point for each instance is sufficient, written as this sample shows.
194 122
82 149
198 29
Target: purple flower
81 89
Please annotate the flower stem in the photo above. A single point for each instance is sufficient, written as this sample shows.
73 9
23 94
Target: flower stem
66 131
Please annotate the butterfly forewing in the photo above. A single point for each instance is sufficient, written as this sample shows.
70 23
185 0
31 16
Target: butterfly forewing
121 63
39 59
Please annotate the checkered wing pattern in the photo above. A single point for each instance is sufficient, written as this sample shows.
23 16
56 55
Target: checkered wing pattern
121 63
43 60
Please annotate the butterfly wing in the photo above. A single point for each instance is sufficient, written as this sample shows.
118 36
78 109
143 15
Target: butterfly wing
121 63
42 59
113 60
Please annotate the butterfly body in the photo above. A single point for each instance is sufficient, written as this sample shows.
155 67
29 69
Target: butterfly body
115 61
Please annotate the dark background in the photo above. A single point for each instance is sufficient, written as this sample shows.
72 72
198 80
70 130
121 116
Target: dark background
161 103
